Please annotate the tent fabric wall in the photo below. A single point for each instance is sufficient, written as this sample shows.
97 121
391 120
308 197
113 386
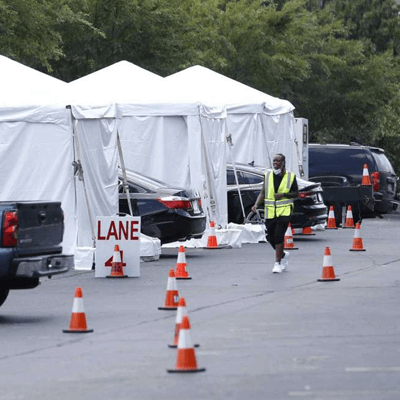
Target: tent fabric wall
257 137
99 157
157 147
214 155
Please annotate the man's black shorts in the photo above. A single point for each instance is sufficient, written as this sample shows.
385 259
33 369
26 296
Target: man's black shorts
276 229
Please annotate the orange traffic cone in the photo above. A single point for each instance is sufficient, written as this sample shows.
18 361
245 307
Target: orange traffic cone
349 223
172 295
365 180
78 317
178 322
357 240
186 356
331 223
328 272
117 270
180 272
307 231
212 239
288 243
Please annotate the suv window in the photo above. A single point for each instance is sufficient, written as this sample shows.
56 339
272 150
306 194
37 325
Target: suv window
250 179
230 177
326 161
382 162
244 178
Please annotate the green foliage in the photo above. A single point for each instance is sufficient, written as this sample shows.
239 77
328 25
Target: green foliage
30 30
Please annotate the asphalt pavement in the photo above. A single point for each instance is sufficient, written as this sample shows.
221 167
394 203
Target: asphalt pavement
261 335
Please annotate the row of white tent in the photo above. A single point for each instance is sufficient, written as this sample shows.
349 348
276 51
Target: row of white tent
60 141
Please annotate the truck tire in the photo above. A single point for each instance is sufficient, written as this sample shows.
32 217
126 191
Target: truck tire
3 294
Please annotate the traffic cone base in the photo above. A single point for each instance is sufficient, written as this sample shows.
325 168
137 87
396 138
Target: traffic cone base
328 275
174 346
307 231
78 318
171 300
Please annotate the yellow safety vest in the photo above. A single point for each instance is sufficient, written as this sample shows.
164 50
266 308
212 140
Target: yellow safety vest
277 208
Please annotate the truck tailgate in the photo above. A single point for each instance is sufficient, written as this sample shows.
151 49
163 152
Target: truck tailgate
40 227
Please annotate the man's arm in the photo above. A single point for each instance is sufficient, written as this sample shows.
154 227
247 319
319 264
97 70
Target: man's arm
260 199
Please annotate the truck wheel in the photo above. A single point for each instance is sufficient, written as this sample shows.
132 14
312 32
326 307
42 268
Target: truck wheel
3 294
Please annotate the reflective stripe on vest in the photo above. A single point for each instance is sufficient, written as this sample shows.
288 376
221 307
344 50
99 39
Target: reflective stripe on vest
277 208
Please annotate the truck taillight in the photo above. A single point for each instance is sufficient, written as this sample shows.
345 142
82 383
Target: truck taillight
376 181
10 229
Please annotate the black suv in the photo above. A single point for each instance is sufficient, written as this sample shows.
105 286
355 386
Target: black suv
343 165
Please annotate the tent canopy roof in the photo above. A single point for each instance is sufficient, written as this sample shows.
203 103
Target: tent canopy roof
22 85
213 88
135 90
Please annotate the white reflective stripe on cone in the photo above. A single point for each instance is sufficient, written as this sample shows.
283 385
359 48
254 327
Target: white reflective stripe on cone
328 261
171 285
180 313
184 342
77 307
181 258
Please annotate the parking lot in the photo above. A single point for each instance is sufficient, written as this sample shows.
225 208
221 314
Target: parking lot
261 335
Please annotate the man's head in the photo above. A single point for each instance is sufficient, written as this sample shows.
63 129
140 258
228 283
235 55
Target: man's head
278 163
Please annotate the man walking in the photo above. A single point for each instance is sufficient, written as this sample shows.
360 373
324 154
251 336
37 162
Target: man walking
279 189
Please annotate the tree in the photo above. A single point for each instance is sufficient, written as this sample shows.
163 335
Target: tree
29 30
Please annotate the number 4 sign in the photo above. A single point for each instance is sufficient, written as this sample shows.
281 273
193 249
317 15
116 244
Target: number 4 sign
124 232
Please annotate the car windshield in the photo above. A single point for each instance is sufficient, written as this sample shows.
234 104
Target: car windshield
382 162
140 179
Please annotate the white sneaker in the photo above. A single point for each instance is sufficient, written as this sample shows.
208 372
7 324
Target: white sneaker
277 268
285 261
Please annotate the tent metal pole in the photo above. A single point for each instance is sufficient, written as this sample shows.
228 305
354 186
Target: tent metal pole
230 143
210 182
126 186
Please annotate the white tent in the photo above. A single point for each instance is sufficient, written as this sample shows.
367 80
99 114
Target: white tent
36 142
164 133
260 125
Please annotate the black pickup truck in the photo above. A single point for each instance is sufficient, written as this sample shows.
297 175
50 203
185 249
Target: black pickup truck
30 244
